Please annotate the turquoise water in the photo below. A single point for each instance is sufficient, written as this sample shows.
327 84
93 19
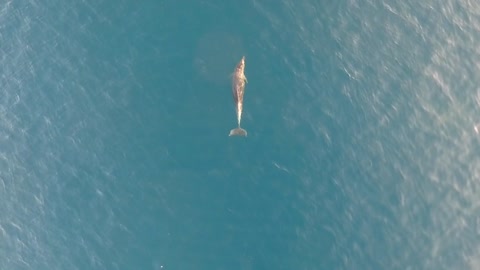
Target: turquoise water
363 147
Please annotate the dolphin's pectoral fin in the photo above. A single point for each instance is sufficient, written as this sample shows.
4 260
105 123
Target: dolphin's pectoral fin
244 77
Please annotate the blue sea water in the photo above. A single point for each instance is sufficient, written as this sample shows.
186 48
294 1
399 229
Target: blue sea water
363 146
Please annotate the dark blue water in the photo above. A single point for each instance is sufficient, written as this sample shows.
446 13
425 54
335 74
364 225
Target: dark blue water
362 149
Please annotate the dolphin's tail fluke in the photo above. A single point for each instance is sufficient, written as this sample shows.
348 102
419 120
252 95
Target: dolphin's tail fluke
238 132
